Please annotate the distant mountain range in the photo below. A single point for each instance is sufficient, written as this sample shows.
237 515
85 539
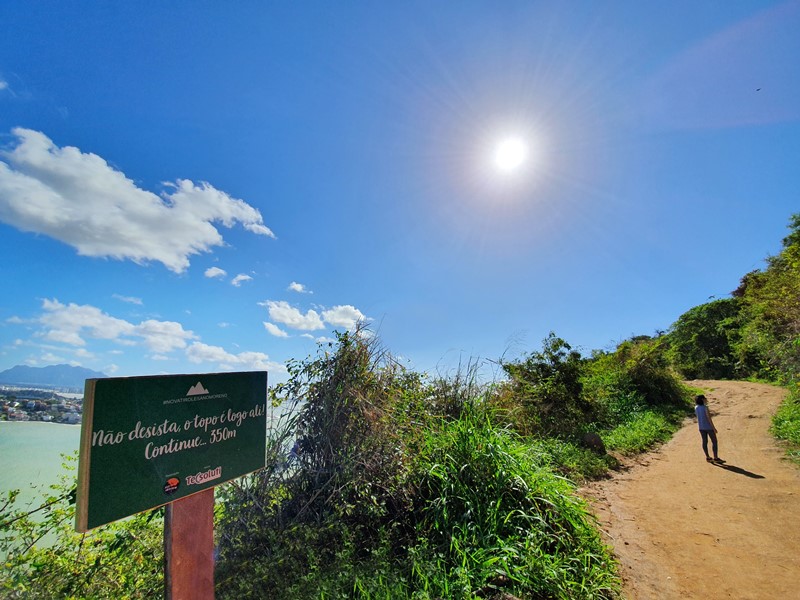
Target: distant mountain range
61 376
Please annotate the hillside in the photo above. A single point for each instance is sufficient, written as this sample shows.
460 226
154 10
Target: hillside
684 528
61 376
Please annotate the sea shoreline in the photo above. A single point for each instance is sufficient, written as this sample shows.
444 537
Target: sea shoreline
32 455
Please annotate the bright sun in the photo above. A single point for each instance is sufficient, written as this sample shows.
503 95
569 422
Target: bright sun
510 154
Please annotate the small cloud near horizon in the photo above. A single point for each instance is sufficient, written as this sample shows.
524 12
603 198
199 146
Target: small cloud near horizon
343 316
282 312
215 272
199 353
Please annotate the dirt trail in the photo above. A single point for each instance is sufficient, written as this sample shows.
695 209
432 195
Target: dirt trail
685 528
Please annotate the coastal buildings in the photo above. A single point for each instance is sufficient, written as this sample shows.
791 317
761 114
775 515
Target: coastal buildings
35 404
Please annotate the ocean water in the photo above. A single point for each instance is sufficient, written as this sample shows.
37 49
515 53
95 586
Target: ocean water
31 455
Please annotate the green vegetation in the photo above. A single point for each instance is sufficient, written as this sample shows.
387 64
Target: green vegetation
753 335
408 488
45 558
383 483
643 430
703 341
786 423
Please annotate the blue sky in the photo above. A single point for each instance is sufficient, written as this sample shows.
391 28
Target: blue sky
204 186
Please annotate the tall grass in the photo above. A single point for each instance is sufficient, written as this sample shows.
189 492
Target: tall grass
405 488
786 422
642 431
495 517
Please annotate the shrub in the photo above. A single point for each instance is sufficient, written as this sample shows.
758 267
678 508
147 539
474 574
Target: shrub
702 342
45 558
403 488
643 431
547 386
493 517
786 422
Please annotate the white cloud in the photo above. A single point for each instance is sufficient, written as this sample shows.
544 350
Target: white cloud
282 312
319 340
49 357
275 330
71 323
3 84
299 288
16 320
110 369
128 299
212 272
67 323
163 336
239 279
223 324
79 199
343 316
203 353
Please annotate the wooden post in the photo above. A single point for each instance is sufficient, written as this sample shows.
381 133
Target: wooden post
189 547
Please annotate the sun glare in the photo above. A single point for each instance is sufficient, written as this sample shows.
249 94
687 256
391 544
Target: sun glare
510 154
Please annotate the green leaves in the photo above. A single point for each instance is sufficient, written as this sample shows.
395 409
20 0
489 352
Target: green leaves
46 558
489 505
702 342
406 487
548 386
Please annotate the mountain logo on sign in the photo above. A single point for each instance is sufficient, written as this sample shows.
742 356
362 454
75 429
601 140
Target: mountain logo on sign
197 390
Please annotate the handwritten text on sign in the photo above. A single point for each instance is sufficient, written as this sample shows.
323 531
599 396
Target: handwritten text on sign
229 421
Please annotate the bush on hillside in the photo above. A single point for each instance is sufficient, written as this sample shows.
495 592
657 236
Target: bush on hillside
786 423
343 482
702 343
403 488
46 558
770 330
491 517
546 386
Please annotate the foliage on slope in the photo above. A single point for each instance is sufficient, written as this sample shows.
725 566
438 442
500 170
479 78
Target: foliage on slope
405 488
44 558
401 486
629 396
754 334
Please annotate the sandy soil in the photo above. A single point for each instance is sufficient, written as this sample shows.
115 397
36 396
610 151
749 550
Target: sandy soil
685 528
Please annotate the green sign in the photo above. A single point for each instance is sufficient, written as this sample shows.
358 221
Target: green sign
147 441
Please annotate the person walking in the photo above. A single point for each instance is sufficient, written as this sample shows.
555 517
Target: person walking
707 429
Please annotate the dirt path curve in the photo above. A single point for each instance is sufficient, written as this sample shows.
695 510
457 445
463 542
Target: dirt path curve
684 528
